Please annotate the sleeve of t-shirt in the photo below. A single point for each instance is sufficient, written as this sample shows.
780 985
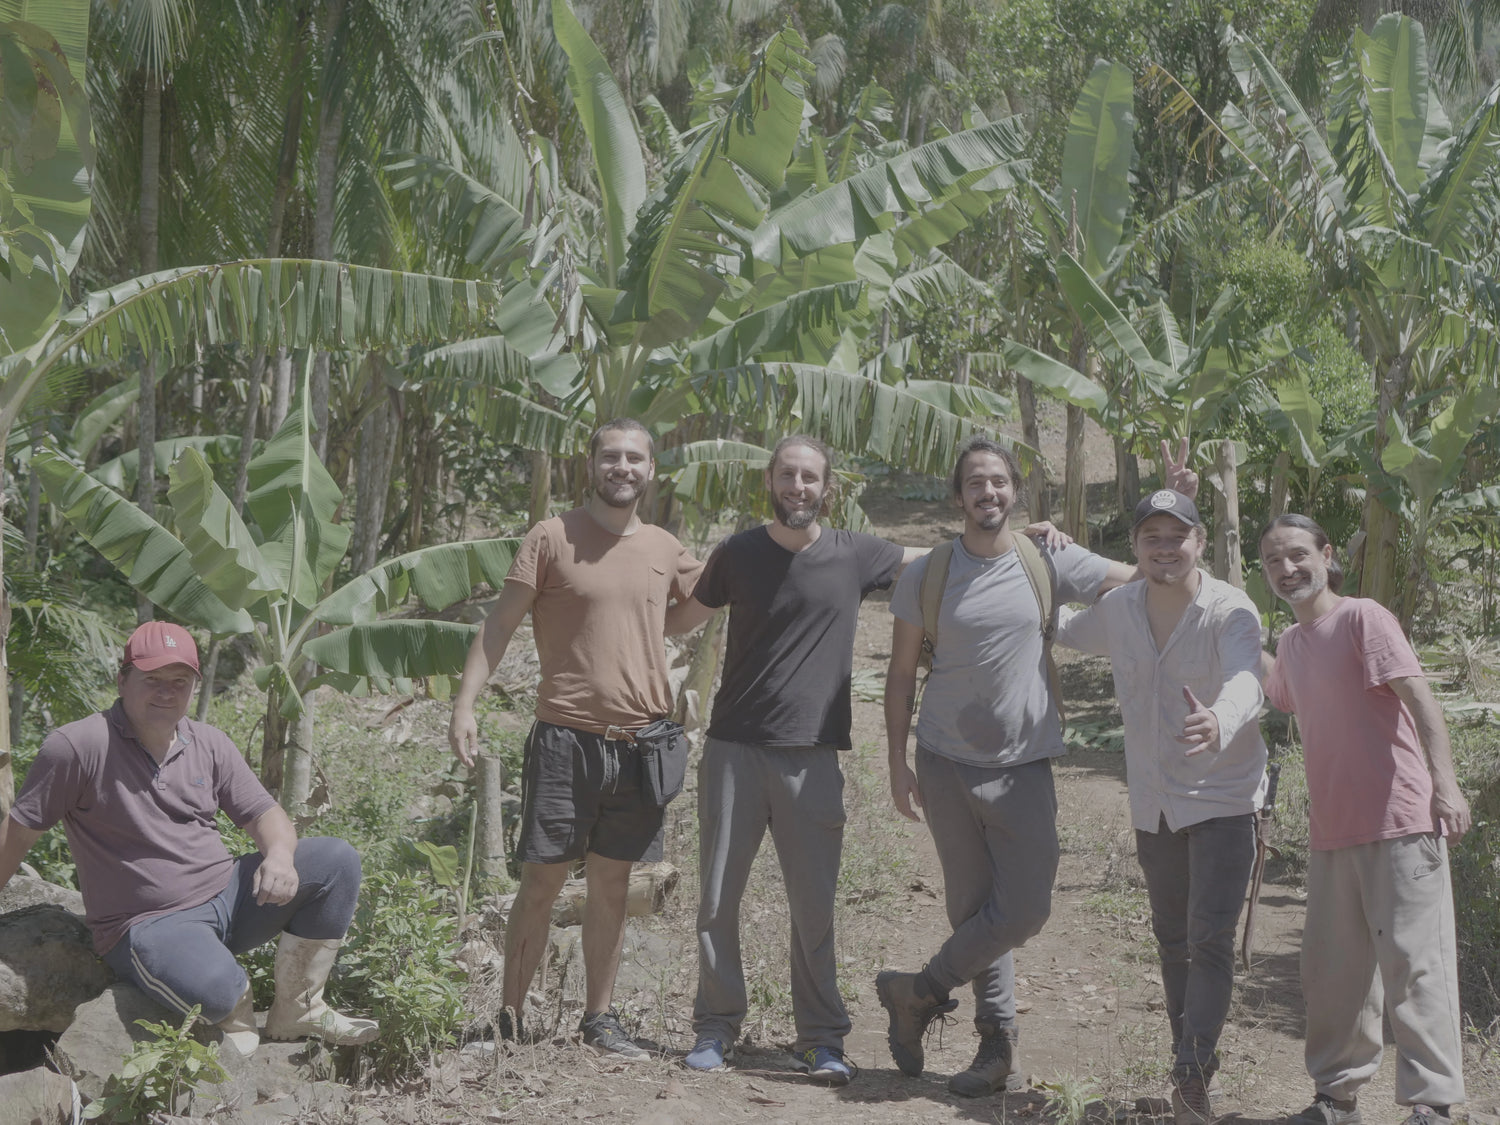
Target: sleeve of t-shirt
712 588
1240 696
906 602
1386 652
240 793
1084 629
53 785
1079 573
689 572
879 560
529 567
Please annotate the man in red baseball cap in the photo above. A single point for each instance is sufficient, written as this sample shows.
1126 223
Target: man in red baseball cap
137 789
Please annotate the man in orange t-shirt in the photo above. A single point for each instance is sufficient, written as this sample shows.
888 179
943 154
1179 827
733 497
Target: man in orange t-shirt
597 583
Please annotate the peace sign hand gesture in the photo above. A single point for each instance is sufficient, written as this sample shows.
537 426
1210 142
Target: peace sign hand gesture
1175 473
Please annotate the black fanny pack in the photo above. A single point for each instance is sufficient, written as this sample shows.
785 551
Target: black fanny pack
663 747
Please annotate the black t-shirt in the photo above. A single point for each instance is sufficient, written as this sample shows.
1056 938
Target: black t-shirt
792 615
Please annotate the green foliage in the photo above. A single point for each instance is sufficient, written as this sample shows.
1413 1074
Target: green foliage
157 1075
1068 1098
398 965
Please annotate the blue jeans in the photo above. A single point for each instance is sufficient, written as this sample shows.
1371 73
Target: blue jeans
1196 878
187 957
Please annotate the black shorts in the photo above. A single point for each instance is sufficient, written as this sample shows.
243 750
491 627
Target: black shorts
581 793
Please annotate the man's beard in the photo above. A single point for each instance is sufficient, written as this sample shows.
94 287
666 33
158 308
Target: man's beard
990 520
798 519
1314 586
619 499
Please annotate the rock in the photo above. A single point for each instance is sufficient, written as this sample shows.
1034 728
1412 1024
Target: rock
25 890
35 1097
646 960
47 968
103 1032
281 1082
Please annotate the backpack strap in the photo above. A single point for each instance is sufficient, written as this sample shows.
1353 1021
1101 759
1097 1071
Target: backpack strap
1043 579
930 598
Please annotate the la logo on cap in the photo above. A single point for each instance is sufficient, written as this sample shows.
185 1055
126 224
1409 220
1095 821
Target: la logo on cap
170 642
1165 498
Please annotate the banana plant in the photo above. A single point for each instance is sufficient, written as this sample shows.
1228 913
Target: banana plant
737 292
265 577
1399 210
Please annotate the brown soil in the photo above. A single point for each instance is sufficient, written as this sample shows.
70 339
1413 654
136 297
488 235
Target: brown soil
1092 1022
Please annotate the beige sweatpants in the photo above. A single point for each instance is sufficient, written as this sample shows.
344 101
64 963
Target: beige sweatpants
1380 934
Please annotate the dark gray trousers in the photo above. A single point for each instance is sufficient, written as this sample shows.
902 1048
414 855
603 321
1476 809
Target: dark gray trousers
1196 878
798 793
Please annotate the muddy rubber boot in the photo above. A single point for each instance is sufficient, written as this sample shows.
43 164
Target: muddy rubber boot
302 968
909 1000
994 1065
238 1027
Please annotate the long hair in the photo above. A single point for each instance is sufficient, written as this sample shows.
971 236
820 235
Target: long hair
1320 540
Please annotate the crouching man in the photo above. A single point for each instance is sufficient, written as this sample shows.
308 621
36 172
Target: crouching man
137 788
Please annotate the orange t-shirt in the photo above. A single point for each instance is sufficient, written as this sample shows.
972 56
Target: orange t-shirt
599 616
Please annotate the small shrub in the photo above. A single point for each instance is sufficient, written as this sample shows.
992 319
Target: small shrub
398 965
158 1073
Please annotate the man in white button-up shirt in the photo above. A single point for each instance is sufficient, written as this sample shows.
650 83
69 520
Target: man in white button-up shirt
1185 648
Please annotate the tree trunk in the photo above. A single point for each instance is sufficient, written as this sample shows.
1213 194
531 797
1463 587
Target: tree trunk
1075 498
150 219
698 684
281 390
1038 502
1228 563
372 473
210 675
489 827
541 486
298 760
1280 479
1127 476
1377 576
330 130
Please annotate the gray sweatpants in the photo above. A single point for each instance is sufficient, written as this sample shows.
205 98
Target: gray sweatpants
799 793
1380 933
187 957
995 830
1196 878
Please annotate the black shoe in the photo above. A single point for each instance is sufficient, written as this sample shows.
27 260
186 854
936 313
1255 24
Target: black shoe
994 1065
604 1033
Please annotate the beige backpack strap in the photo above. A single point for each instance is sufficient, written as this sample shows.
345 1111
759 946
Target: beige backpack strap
930 598
1043 581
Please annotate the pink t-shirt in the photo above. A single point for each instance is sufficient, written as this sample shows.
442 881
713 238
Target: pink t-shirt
1366 773
144 838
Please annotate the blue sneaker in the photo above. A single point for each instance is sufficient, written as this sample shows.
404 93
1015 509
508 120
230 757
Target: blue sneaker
708 1054
825 1064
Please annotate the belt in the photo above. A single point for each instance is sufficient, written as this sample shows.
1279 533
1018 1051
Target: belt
613 733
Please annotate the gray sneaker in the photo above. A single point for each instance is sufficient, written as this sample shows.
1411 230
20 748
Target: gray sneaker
1426 1115
1326 1111
604 1033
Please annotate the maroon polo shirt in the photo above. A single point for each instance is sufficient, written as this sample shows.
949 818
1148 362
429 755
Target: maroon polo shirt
143 836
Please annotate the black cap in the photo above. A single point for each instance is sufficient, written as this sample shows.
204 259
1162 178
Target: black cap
1166 502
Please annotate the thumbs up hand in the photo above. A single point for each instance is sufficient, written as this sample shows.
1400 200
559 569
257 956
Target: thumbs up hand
1201 730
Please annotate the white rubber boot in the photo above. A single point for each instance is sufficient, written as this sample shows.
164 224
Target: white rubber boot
238 1027
302 968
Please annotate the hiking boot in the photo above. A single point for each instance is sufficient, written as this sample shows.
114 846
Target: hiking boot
508 1025
825 1064
994 1066
604 1033
1190 1102
1327 1111
1427 1115
708 1054
912 1006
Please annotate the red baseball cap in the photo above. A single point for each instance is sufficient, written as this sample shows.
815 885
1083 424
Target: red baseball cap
159 643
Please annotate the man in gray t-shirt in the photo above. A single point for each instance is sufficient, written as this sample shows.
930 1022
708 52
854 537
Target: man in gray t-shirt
985 739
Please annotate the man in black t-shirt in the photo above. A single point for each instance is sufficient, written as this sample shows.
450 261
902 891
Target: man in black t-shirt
780 718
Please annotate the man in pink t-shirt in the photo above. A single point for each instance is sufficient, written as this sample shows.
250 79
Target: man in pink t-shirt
1379 930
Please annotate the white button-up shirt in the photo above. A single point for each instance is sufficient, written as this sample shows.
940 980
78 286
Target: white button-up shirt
1215 651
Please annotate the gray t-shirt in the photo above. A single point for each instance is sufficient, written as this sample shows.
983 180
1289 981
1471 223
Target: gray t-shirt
988 701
